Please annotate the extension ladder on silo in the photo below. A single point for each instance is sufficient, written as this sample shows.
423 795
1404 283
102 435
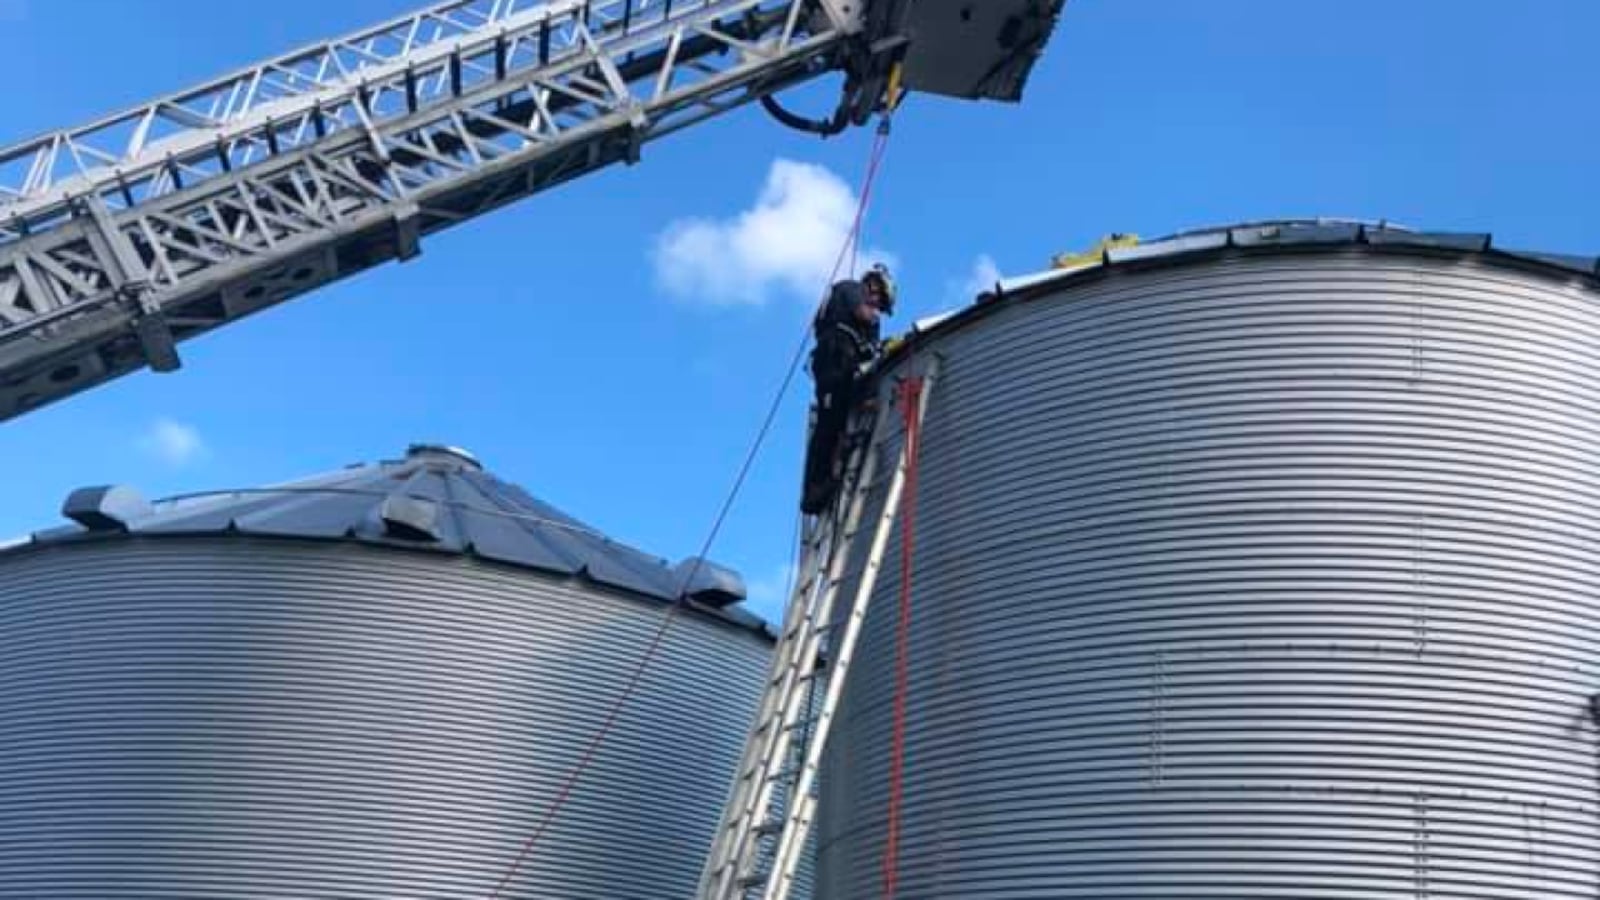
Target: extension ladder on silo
757 849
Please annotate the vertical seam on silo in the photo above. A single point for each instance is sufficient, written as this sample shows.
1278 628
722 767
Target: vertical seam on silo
1418 348
1158 721
1420 843
1419 623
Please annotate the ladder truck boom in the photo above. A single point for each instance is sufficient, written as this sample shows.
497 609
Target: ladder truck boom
122 238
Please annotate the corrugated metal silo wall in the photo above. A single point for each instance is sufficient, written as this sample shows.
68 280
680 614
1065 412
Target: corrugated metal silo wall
1269 577
257 719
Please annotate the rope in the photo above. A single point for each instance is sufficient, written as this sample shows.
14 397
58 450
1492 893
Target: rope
852 240
910 399
880 143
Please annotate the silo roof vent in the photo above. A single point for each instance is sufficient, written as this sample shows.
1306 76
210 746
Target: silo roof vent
105 508
707 582
409 518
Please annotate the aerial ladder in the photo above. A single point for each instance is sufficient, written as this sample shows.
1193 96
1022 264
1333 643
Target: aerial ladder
125 237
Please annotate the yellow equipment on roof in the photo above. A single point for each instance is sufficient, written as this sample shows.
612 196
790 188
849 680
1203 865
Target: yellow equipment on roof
1094 255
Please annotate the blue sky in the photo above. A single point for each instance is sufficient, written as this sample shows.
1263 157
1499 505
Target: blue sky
552 339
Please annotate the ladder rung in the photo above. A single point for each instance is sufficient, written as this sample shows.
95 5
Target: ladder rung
790 775
801 631
797 724
797 631
752 774
803 678
879 481
822 630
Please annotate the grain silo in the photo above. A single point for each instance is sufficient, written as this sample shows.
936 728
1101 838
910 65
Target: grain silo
1254 562
367 684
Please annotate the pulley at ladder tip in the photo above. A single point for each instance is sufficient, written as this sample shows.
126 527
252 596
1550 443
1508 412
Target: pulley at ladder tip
871 87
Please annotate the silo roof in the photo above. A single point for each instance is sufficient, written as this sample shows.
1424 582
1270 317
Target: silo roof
1271 236
436 498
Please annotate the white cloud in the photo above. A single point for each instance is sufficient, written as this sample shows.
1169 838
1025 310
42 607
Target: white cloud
985 273
173 442
787 243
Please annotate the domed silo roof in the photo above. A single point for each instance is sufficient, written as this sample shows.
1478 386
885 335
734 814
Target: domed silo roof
1257 561
369 683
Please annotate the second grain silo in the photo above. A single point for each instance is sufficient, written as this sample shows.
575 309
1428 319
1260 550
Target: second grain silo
1255 562
368 684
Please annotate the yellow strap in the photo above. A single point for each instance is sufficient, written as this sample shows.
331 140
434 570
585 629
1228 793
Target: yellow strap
1094 255
895 94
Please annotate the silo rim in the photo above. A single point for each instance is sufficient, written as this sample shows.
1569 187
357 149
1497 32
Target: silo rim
1257 238
72 539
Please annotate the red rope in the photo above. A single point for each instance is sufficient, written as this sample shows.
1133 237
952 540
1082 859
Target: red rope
910 400
852 240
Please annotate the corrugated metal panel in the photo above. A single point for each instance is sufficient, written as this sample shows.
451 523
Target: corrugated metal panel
1267 575
259 718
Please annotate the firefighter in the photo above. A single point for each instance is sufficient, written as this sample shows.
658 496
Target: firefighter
847 340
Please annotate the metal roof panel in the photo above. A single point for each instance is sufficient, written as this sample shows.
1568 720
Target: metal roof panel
435 498
1470 242
1578 265
1292 234
1194 243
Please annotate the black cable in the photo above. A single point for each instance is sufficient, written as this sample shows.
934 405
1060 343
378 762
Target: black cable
822 127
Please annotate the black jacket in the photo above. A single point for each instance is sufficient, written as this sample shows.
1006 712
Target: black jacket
844 342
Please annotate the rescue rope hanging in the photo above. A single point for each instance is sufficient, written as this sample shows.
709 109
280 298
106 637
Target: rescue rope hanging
849 251
908 395
880 143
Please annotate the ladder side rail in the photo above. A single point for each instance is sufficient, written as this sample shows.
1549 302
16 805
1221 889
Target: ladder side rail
222 250
798 824
728 868
743 843
763 739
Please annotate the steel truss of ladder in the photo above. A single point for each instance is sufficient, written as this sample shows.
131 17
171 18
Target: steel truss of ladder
123 237
758 847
